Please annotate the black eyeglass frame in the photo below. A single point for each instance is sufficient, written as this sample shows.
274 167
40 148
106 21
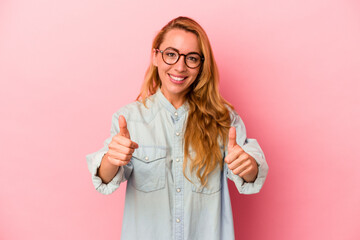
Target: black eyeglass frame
179 55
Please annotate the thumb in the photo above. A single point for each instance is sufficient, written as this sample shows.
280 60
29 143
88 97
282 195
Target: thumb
123 127
232 138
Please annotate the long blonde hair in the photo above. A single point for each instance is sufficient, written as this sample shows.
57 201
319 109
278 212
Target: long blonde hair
208 120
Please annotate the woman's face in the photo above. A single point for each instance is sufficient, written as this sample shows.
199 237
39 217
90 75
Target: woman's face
177 78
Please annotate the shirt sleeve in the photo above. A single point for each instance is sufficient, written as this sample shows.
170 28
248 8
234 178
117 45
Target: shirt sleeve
251 147
94 161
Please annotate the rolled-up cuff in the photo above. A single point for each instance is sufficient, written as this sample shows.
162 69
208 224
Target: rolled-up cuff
94 161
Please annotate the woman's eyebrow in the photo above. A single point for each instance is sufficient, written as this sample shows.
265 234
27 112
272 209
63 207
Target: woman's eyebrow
184 53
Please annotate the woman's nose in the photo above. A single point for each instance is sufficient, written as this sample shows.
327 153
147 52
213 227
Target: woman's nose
180 65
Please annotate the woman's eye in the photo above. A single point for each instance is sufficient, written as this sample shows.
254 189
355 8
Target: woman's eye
171 54
193 59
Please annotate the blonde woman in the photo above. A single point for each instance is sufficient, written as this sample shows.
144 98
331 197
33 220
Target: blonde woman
177 145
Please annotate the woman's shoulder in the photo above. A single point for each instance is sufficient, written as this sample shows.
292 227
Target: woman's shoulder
136 110
232 111
234 116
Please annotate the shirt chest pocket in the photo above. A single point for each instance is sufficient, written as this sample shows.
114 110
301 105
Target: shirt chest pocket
149 169
213 185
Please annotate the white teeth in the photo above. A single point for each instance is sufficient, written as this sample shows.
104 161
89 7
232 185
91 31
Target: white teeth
176 78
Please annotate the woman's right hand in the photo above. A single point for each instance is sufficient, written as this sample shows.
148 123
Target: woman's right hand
121 147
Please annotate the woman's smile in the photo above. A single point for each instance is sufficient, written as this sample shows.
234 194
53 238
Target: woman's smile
177 79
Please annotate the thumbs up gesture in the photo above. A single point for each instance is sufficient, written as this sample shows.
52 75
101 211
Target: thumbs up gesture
121 147
239 162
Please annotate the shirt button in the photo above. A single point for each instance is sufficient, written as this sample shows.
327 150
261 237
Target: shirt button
177 159
178 190
175 113
146 158
177 220
177 134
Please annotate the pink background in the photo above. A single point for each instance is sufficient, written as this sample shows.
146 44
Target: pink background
291 69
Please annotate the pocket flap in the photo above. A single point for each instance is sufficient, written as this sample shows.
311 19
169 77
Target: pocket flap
149 154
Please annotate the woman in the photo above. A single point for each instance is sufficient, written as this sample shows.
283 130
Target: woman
177 145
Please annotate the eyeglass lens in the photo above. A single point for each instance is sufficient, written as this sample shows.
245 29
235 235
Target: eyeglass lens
170 56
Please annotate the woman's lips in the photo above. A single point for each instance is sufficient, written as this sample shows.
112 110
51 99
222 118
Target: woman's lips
177 79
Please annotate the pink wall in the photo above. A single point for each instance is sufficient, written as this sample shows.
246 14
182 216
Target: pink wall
291 69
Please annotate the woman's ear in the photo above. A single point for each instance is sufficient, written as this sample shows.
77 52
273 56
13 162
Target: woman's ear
154 57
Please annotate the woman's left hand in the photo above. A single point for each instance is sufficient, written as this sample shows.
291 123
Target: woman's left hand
239 162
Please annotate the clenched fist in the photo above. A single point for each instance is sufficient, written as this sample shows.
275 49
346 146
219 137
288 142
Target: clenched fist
239 162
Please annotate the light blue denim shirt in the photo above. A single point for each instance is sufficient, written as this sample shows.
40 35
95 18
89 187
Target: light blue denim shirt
160 202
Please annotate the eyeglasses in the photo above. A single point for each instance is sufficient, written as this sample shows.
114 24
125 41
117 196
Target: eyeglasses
172 56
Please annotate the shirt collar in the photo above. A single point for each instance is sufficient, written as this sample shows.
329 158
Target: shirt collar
169 107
